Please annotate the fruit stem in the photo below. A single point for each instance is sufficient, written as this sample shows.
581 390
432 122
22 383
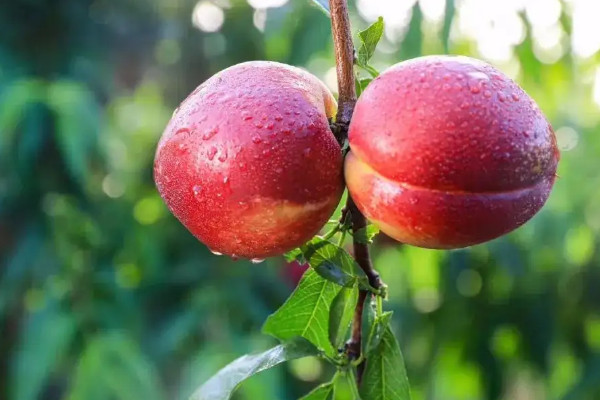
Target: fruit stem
344 60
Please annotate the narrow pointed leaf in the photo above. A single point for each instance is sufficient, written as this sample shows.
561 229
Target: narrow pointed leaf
365 235
340 317
385 374
368 41
226 381
334 263
380 325
322 392
323 5
306 312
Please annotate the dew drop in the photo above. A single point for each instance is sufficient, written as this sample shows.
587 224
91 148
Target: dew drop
210 133
246 116
211 153
487 94
278 118
475 89
226 180
258 125
197 190
270 125
223 156
256 139
216 253
501 97
257 260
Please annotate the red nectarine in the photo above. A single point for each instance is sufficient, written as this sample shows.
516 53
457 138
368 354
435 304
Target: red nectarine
248 163
448 152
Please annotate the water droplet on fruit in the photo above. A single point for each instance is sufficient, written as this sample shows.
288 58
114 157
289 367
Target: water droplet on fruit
256 139
270 125
223 156
197 190
210 133
216 253
257 260
487 94
258 125
242 166
211 153
246 116
182 130
501 97
226 180
278 118
515 97
475 89
279 170
234 257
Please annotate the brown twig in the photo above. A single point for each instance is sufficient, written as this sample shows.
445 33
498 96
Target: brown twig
344 60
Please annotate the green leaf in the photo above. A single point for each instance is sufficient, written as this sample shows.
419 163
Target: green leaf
340 316
15 98
77 119
323 5
377 330
45 338
345 386
365 235
306 312
368 41
113 367
222 385
361 84
372 71
322 392
295 255
334 263
385 375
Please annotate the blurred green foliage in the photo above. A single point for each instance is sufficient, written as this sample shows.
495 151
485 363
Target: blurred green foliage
104 295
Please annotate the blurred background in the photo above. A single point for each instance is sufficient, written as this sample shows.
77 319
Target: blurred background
104 295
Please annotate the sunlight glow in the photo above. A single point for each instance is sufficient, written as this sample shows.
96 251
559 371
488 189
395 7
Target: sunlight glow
495 26
207 16
596 90
259 19
585 39
261 4
397 15
433 10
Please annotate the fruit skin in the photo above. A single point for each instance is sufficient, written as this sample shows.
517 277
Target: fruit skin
248 162
448 152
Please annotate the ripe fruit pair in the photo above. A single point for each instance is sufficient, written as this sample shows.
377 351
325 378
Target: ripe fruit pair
446 152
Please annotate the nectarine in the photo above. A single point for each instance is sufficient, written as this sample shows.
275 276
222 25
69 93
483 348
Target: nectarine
248 163
447 152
